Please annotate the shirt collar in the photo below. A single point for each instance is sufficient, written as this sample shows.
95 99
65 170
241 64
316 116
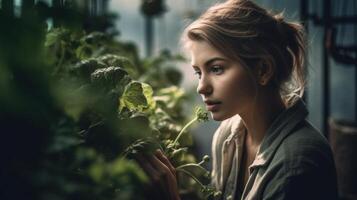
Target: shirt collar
236 128
278 131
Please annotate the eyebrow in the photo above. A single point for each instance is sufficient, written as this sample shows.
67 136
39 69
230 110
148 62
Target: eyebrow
210 61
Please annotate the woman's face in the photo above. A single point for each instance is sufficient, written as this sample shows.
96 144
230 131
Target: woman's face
226 87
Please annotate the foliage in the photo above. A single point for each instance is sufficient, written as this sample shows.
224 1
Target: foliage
72 103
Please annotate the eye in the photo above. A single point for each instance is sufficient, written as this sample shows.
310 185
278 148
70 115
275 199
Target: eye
217 69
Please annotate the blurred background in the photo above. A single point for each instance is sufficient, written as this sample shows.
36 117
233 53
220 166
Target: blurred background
155 26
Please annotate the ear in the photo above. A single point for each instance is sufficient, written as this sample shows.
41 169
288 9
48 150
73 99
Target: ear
265 72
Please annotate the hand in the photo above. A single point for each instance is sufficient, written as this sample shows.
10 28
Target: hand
162 176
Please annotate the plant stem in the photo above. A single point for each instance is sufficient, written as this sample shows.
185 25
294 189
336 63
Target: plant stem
200 163
192 176
184 128
191 165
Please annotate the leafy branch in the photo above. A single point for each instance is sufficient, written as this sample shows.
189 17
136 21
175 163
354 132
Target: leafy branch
201 115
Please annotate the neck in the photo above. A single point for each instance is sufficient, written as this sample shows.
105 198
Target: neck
258 118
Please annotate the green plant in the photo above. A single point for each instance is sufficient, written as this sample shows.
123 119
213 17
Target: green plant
173 150
73 102
113 100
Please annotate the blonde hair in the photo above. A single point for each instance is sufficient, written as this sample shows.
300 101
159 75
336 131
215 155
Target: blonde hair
245 32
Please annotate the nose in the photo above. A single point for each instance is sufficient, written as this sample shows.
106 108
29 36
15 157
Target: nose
204 87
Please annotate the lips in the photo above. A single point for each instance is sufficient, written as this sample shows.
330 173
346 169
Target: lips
210 102
212 105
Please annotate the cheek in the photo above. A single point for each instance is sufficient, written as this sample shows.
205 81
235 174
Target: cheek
241 86
240 89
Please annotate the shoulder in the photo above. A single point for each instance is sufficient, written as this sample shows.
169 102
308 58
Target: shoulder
304 149
303 166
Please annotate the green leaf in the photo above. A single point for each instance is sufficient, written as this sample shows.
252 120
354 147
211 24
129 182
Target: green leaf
170 96
84 51
84 68
124 168
119 61
142 146
148 93
108 77
97 170
137 97
55 35
94 37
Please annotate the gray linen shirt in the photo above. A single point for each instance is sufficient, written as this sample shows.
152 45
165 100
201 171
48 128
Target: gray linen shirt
294 160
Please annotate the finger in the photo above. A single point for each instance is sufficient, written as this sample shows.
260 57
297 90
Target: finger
165 174
153 174
154 177
166 161
170 185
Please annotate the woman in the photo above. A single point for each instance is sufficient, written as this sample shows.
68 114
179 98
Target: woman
250 66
